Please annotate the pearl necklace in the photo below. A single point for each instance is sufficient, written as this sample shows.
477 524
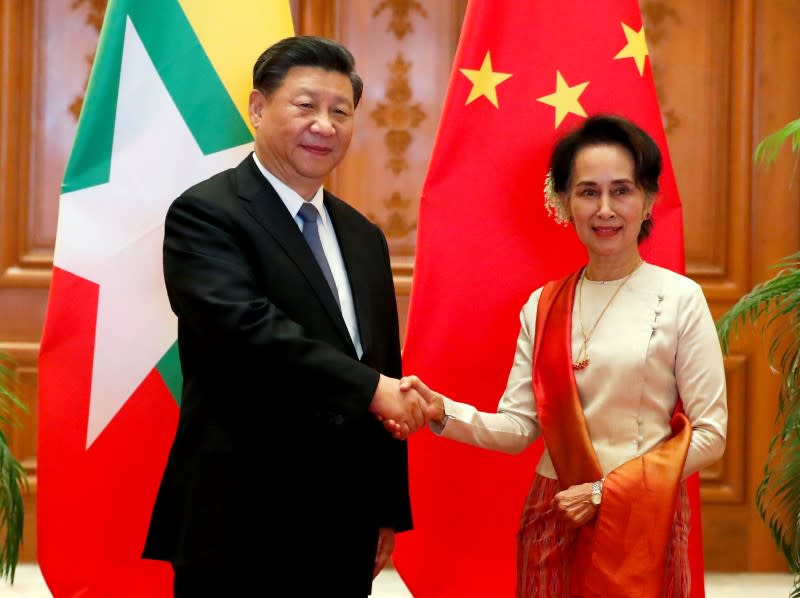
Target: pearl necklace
583 355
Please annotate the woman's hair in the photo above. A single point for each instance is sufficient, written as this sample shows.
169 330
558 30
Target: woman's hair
606 129
271 67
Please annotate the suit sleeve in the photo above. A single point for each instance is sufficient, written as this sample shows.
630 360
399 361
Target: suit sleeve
212 287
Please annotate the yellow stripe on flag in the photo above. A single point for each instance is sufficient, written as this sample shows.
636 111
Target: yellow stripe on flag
234 33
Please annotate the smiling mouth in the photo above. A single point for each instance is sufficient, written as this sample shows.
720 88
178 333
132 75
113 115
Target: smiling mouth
318 150
606 230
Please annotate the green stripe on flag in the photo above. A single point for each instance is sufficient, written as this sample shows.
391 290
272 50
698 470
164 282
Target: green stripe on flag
185 69
169 367
90 158
189 76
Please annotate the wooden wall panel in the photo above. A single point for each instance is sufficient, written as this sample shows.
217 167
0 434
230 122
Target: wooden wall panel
695 103
46 49
701 62
21 302
45 84
774 219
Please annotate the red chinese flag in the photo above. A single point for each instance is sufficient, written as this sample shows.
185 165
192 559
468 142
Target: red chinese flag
525 72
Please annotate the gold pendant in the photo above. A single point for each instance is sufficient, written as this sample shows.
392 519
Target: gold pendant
583 363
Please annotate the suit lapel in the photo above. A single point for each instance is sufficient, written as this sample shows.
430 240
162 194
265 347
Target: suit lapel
264 204
352 247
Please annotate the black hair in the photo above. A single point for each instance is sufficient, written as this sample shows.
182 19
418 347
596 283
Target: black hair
271 67
607 129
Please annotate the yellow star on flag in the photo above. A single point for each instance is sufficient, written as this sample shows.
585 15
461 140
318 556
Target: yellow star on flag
484 81
636 47
565 99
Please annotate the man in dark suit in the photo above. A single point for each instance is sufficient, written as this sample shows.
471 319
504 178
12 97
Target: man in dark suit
289 346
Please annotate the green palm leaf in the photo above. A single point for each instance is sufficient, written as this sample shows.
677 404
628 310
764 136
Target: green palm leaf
767 150
775 305
13 479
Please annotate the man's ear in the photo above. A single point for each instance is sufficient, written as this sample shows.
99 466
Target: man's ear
256 106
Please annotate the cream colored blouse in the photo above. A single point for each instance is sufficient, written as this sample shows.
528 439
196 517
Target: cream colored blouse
655 342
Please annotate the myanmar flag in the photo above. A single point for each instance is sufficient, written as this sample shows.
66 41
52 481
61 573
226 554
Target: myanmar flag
525 73
166 107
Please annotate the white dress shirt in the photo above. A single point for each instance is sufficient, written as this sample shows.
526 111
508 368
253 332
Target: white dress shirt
330 245
656 342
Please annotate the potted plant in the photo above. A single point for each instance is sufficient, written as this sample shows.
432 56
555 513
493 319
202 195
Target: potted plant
13 480
775 306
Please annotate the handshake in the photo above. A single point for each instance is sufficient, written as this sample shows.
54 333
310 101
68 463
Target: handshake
405 405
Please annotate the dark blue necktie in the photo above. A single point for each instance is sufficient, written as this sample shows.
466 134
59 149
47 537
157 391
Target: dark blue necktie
309 215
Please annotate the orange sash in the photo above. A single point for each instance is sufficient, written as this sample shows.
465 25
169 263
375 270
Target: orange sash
622 551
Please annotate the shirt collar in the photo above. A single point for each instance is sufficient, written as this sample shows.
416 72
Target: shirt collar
290 198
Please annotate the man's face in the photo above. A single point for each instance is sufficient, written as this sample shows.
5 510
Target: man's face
304 128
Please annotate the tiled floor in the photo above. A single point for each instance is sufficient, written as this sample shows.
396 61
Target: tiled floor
30 584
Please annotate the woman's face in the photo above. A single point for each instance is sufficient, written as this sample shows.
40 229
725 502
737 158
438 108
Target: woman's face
606 205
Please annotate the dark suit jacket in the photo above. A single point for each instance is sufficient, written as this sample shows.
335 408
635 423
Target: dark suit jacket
274 442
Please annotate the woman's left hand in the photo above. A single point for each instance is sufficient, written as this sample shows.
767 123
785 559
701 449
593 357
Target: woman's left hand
575 504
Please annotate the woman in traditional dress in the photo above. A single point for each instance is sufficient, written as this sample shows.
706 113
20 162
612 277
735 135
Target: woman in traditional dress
619 368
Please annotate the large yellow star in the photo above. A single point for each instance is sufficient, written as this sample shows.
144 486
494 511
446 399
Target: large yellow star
636 47
484 81
565 99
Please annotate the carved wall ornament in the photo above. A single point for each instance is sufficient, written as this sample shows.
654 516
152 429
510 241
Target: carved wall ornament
94 18
399 115
400 23
396 226
656 15
97 11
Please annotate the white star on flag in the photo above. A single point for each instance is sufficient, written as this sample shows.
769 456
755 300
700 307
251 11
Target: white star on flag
112 234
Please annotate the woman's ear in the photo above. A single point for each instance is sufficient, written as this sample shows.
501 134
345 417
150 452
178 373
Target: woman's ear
648 207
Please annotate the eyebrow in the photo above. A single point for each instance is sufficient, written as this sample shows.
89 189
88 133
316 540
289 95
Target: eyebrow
313 94
614 182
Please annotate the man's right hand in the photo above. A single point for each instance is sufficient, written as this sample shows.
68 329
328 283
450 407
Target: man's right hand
434 404
402 413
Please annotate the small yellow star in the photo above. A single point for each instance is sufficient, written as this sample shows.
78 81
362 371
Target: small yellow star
636 47
484 81
565 99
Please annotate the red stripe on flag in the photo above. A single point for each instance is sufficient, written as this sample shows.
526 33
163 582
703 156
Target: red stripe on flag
94 505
